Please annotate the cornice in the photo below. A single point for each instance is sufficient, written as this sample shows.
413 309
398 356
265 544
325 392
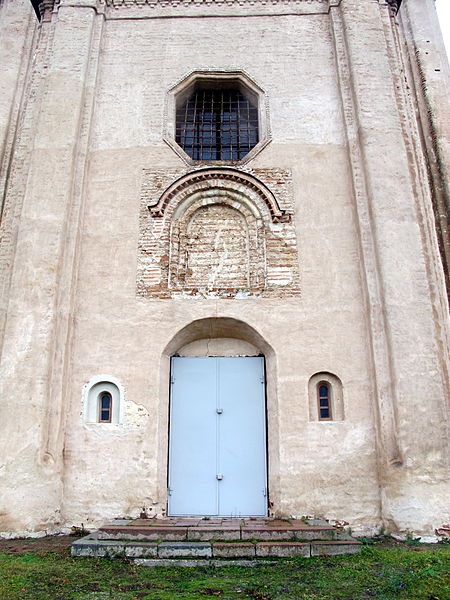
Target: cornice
142 8
50 4
394 4
214 8
46 6
174 3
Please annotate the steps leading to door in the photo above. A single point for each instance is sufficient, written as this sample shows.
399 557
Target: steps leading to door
176 538
188 529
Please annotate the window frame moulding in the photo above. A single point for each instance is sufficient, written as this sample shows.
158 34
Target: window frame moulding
90 397
336 397
187 84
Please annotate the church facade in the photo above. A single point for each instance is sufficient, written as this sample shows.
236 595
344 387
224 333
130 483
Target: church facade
224 262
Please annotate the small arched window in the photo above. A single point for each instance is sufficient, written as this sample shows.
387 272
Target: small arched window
103 401
105 407
324 401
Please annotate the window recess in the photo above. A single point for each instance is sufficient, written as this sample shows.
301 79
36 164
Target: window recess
217 124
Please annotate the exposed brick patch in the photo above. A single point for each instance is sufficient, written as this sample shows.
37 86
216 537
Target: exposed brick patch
205 179
217 233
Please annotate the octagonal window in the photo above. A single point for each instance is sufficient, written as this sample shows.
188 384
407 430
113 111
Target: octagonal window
217 116
217 122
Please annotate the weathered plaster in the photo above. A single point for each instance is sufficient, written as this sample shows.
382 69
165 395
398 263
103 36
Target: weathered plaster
372 308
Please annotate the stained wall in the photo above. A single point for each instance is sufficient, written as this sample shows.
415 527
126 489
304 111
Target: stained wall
369 303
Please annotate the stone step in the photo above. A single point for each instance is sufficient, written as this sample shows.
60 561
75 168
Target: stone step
245 531
92 545
200 562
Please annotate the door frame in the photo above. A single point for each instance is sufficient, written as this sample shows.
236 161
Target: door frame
265 429
206 329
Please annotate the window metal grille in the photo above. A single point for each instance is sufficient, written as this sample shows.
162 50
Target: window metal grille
217 124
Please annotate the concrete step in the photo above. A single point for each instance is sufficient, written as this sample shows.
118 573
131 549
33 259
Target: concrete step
92 545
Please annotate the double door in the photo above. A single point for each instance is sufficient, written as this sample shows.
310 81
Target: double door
217 444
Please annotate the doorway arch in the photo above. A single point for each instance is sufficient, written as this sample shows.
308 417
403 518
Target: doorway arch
221 336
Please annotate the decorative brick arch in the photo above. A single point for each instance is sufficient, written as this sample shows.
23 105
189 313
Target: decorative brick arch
216 232
225 177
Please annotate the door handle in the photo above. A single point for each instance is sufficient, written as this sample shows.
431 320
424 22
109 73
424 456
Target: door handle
219 476
219 411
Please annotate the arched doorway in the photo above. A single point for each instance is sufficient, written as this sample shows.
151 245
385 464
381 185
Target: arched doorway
217 449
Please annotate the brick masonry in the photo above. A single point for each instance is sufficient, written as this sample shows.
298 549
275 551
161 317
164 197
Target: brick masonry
224 234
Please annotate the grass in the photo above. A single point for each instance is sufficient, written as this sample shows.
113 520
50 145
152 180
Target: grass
400 572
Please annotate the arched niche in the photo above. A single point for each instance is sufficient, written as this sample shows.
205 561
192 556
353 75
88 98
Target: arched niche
335 397
218 336
94 390
217 243
216 233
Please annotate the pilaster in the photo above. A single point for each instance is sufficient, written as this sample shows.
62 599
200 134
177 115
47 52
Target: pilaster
430 80
41 291
17 29
403 334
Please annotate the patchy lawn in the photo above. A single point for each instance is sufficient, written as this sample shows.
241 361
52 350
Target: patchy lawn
396 572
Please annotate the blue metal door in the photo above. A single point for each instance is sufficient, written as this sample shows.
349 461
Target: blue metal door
217 445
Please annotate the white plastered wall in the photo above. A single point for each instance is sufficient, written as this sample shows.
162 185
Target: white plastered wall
366 310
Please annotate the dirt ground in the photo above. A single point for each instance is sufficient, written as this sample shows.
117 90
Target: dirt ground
43 545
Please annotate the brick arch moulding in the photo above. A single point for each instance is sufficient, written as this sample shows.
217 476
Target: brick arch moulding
217 232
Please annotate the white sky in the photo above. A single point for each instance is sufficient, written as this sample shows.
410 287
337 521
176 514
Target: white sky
443 8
